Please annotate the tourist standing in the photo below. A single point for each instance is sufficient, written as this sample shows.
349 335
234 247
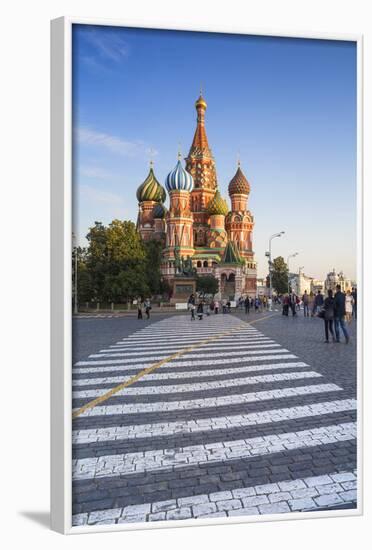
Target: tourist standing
354 295
224 308
139 309
147 308
216 307
256 305
339 315
293 302
247 304
285 305
329 312
349 306
305 301
312 304
192 309
319 301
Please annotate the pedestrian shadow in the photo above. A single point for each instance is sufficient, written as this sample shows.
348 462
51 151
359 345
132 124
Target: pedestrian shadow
41 518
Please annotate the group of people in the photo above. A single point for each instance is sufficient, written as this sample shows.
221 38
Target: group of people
143 306
336 309
259 304
202 307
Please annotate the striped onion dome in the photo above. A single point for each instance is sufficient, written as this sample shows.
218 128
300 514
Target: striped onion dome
150 189
218 205
179 179
159 211
239 185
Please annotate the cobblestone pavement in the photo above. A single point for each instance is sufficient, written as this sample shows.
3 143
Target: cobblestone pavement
244 419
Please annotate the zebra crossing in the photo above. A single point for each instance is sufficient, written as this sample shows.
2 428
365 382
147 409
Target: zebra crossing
227 422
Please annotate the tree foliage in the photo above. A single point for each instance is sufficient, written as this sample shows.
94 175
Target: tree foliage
117 266
207 284
279 275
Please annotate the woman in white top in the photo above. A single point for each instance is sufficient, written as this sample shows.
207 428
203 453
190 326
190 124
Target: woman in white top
349 300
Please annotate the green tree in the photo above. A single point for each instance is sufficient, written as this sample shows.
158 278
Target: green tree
153 252
280 275
207 284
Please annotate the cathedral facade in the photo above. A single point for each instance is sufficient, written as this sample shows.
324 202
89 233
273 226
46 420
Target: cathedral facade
199 226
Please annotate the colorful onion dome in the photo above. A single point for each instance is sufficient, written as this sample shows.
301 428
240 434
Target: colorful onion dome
179 179
239 185
200 102
159 211
150 189
218 206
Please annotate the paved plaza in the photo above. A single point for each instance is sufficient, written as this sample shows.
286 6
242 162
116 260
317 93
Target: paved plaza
234 415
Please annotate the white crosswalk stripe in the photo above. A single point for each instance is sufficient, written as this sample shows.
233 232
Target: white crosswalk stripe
187 398
187 374
182 388
138 431
150 461
290 495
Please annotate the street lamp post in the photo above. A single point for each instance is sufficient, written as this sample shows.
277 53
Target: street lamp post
270 263
290 256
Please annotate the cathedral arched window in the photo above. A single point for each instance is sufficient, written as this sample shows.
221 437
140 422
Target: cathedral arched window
205 263
198 264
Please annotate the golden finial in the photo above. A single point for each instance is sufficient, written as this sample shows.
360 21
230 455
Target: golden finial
151 157
179 155
238 159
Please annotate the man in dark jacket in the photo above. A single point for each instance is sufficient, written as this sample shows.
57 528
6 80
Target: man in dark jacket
319 301
339 319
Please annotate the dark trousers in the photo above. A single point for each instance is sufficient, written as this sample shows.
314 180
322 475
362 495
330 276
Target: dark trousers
306 310
247 309
328 327
285 309
340 322
139 316
293 308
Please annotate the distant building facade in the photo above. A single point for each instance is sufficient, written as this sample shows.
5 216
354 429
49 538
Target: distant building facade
334 279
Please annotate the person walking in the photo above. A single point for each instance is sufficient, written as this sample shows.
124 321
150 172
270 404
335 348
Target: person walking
247 305
200 311
305 301
139 309
329 312
349 306
339 315
216 307
354 295
293 303
256 305
319 301
147 308
192 310
312 303
285 305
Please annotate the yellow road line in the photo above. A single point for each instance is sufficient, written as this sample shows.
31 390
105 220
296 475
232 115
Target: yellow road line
143 372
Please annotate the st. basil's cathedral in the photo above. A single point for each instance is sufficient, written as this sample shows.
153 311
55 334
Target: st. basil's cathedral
199 227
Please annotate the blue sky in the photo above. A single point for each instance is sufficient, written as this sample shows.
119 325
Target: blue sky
287 107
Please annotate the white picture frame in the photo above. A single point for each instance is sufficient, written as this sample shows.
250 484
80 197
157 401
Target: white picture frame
61 249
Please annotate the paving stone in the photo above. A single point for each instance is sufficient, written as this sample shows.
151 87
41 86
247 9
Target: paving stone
103 515
79 519
245 492
277 497
267 489
291 485
232 504
255 501
192 500
253 511
222 495
203 509
274 508
179 513
349 495
346 476
164 506
328 500
299 504
328 489
318 480
160 516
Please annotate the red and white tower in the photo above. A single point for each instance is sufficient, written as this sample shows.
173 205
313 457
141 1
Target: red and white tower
201 165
